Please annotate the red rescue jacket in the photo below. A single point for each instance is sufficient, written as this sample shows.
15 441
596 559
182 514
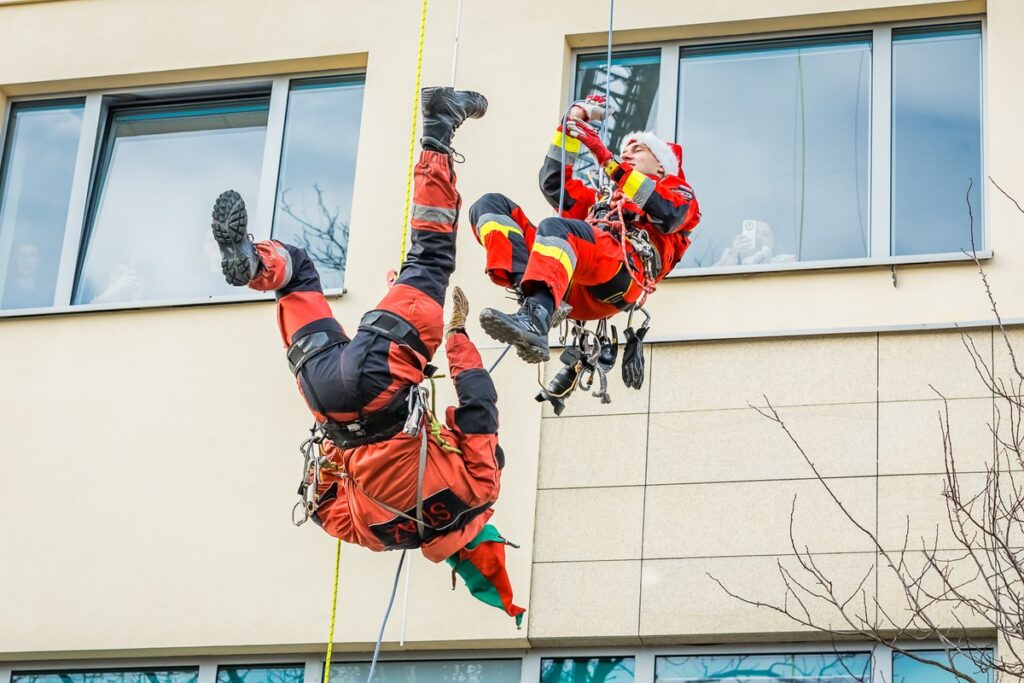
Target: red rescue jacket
458 490
665 208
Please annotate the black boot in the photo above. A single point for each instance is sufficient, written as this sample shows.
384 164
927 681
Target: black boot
444 110
526 330
239 259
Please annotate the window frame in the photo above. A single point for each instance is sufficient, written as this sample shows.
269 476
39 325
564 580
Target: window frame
880 146
95 120
643 656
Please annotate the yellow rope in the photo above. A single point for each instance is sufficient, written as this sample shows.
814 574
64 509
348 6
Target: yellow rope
334 609
412 133
405 234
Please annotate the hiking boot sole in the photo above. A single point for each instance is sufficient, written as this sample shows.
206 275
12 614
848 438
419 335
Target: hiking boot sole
230 223
526 346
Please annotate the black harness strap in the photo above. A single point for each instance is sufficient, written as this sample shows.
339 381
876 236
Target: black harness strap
395 328
304 348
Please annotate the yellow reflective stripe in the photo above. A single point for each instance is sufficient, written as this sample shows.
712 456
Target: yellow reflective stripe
633 183
562 141
555 253
611 166
494 226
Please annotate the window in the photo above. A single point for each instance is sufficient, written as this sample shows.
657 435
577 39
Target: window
260 674
809 668
936 139
149 237
906 669
595 670
845 148
440 671
113 676
776 144
38 167
633 92
318 168
105 200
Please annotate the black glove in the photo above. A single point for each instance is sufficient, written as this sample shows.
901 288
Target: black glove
633 358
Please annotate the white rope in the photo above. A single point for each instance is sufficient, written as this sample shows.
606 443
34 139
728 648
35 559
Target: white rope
455 46
405 603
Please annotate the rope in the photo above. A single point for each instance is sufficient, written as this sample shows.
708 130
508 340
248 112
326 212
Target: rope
412 132
455 48
334 609
387 613
608 73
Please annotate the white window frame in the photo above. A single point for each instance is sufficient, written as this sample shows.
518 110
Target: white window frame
879 192
97 106
644 658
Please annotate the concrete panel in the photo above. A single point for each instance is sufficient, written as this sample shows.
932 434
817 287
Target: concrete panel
608 450
589 524
585 600
910 437
753 518
741 444
911 364
682 599
789 372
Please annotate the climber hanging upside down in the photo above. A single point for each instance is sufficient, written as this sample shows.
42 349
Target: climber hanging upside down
576 258
388 480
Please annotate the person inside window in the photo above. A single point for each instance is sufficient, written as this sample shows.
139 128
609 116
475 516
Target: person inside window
754 244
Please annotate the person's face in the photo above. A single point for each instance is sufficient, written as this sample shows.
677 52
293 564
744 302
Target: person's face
765 236
26 259
640 157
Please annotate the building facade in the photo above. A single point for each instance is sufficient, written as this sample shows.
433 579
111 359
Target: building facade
848 155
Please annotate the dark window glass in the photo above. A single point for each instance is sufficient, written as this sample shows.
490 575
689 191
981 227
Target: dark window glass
635 78
811 668
260 674
113 676
906 669
592 670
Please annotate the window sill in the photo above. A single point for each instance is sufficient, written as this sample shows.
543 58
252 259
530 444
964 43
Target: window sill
149 305
715 271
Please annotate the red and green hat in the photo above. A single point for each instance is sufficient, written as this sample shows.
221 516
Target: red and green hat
481 564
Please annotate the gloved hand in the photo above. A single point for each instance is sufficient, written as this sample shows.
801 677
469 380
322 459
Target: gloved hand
593 108
586 134
633 358
460 311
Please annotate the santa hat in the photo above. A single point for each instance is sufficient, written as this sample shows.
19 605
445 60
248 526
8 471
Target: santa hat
668 154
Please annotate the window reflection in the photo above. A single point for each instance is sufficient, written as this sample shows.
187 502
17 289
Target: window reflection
149 237
465 671
263 674
936 139
593 670
810 668
776 141
635 77
318 163
906 669
38 170
137 676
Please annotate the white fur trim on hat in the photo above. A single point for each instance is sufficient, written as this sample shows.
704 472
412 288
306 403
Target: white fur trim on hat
659 148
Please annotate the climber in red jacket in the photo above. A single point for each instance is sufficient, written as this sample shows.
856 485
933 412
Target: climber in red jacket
390 480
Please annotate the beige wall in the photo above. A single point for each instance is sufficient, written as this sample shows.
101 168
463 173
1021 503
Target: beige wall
690 481
144 507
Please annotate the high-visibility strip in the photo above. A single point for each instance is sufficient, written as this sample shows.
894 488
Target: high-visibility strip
638 187
434 214
555 152
562 141
556 253
494 226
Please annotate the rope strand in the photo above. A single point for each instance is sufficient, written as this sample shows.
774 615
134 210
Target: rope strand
412 134
334 609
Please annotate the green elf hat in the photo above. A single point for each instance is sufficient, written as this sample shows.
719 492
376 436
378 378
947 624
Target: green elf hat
481 564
